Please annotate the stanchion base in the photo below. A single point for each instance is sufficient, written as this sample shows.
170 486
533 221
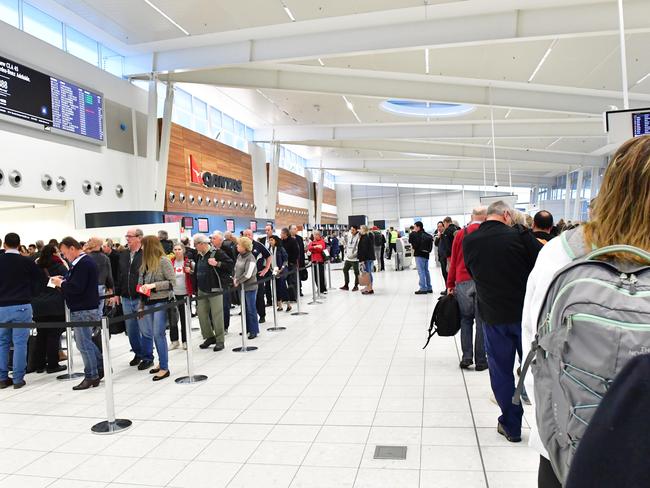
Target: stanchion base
188 380
315 301
300 313
244 349
69 376
276 328
106 427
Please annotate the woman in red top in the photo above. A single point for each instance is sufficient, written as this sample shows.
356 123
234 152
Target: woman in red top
316 248
183 268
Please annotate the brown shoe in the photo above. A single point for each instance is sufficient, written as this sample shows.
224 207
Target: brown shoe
356 288
6 383
86 383
344 287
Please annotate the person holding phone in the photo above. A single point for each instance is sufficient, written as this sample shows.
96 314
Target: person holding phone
183 269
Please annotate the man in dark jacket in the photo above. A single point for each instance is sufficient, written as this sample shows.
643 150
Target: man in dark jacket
543 226
224 266
213 270
444 246
125 283
113 257
291 246
301 251
422 243
266 241
80 291
19 282
168 245
499 259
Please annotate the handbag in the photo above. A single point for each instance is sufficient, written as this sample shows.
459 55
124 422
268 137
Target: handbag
364 278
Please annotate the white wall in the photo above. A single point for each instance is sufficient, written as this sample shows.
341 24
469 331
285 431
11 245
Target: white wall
34 152
343 202
42 223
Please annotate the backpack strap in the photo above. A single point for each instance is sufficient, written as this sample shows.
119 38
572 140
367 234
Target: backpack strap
516 398
574 242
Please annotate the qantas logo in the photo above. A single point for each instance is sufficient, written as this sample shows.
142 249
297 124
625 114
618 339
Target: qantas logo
211 180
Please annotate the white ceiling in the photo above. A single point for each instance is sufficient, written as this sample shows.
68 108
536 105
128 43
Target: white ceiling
291 77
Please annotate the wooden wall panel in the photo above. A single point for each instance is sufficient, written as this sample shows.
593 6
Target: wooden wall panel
283 218
292 184
329 196
212 156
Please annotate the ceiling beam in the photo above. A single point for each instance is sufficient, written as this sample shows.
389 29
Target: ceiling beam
552 128
471 22
425 165
378 84
465 150
450 178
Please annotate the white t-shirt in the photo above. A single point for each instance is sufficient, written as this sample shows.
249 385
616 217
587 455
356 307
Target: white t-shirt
180 288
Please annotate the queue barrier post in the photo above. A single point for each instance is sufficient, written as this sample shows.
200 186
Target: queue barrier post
274 301
244 336
329 274
70 373
191 378
111 425
298 312
314 277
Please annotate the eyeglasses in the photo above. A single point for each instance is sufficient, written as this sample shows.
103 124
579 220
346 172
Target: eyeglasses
130 236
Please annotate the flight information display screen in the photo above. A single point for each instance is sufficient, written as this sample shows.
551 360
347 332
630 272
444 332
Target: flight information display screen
641 124
30 95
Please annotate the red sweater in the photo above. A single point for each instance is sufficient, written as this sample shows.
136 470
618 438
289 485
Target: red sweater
316 249
457 272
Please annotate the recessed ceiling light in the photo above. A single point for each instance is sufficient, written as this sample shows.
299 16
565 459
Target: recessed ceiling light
508 113
350 107
409 108
543 60
426 61
320 61
641 80
148 2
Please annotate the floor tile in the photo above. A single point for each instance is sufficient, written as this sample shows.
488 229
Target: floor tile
297 433
201 474
53 465
316 477
280 453
387 478
343 434
228 451
334 455
455 479
453 458
101 468
268 476
19 481
179 449
512 479
154 472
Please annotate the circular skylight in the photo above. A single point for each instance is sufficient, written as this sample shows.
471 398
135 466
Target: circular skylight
409 108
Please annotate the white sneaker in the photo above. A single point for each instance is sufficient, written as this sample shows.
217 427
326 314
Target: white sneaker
174 345
185 345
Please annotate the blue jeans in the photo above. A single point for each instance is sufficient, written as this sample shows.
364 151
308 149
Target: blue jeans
252 325
153 328
503 342
422 264
129 306
101 289
90 354
16 314
467 302
367 267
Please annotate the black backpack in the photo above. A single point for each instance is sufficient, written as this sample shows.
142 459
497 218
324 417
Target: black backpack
445 320
427 242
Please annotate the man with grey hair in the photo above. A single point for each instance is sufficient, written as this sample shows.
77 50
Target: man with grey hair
167 245
460 283
217 239
499 259
213 268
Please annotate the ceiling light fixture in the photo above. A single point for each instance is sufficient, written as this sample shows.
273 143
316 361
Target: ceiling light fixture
543 60
426 61
320 61
148 2
350 107
288 12
642 79
508 113
553 143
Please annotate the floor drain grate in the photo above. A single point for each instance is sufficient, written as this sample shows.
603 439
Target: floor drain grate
390 452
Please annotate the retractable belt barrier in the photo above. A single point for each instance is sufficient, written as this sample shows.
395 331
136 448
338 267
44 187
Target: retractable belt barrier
112 424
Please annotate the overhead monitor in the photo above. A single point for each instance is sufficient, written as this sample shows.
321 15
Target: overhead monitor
203 225
58 105
188 223
230 225
253 225
641 124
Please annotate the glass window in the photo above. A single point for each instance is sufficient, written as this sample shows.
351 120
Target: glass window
181 117
9 12
183 100
39 24
200 109
250 134
240 130
81 46
226 138
201 126
215 121
228 123
112 62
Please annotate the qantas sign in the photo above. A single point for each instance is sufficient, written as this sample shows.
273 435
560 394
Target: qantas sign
210 180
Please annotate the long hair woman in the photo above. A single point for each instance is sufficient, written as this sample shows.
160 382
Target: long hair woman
620 215
246 277
183 269
156 286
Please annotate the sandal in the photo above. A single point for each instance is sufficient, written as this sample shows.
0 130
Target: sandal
162 376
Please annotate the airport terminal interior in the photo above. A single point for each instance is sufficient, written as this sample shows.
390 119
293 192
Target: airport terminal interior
324 243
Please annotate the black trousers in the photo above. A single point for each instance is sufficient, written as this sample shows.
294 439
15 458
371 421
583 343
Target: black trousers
381 257
546 476
321 276
48 341
443 267
391 249
260 305
173 327
227 298
292 283
267 292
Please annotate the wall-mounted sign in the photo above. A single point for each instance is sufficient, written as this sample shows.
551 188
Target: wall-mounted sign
230 225
204 225
211 180
253 225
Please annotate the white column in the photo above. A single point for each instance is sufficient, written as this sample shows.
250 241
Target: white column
149 173
260 183
567 196
272 187
319 196
578 201
595 181
165 138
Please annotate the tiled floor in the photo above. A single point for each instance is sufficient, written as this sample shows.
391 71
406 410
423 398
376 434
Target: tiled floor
305 410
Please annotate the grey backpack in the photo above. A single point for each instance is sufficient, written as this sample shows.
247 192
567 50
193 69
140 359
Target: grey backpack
595 318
